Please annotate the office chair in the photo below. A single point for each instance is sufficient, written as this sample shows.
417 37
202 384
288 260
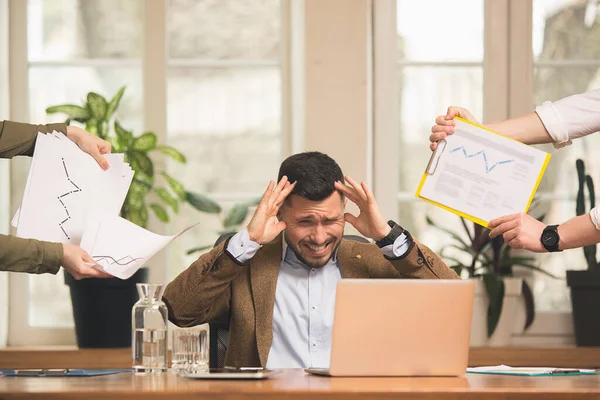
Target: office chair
219 331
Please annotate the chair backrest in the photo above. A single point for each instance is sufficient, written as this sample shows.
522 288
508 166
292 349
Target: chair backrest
219 332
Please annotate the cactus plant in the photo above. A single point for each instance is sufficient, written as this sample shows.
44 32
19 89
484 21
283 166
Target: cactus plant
585 181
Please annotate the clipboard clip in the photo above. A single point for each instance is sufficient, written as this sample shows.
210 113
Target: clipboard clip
435 157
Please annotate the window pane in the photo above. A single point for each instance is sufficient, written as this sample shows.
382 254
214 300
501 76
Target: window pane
217 29
228 124
566 30
439 30
426 92
68 29
58 85
50 301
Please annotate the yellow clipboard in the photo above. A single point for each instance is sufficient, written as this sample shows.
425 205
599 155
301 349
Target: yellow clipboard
435 159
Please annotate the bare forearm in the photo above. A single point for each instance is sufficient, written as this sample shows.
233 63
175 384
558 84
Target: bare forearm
527 129
578 232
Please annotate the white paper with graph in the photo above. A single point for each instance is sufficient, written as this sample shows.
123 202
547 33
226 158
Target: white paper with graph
120 247
69 198
481 175
63 185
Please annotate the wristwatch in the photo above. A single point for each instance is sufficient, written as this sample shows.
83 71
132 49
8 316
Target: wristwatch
391 237
550 238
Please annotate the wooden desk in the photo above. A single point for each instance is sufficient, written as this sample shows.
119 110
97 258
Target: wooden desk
295 384
71 357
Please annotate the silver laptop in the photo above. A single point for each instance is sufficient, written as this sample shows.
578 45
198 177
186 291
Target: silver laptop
401 327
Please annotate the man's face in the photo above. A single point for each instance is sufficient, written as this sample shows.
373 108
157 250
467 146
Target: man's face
314 229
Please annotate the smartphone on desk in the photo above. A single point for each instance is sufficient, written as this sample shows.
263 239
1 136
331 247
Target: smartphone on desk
232 373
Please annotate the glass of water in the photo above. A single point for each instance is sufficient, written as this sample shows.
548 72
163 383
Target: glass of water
190 350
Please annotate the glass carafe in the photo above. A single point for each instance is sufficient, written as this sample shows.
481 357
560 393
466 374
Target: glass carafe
149 318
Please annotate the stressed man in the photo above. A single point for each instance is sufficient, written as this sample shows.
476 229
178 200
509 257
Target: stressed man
274 282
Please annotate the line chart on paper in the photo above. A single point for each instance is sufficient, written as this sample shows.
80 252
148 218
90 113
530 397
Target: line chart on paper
75 189
123 261
488 167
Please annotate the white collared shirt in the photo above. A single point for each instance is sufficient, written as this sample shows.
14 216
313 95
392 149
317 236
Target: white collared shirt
571 118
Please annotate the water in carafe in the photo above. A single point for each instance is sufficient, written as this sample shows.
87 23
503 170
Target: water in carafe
149 326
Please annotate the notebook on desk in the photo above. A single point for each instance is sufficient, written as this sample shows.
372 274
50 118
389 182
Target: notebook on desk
530 371
400 327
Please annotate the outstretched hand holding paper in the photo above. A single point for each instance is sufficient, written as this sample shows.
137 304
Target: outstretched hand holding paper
481 175
120 247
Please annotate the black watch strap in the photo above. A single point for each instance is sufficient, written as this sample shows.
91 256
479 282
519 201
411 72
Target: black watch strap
550 238
391 237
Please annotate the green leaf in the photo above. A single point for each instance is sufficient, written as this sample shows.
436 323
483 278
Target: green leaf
138 216
176 186
145 142
167 198
114 103
136 196
197 249
160 212
494 287
124 136
92 126
457 268
103 129
72 111
202 203
172 152
236 215
97 105
115 146
529 305
141 163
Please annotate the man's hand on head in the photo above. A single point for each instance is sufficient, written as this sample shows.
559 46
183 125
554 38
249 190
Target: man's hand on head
264 225
370 223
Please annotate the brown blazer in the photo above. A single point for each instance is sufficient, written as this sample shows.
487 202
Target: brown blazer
216 288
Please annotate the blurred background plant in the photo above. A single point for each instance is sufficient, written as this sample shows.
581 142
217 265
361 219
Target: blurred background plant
479 256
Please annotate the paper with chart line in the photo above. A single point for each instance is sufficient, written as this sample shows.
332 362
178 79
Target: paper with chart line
120 247
481 175
69 198
63 185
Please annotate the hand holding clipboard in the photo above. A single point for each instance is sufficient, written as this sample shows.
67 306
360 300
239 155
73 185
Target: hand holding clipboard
481 175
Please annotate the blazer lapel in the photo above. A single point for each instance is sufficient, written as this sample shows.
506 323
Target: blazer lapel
263 276
351 262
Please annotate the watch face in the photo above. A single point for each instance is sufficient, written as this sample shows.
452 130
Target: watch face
549 238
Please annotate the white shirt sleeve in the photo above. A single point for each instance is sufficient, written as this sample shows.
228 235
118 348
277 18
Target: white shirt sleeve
595 216
572 117
241 247
396 249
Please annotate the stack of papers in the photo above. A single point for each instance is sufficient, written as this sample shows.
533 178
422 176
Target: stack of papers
530 371
68 198
64 185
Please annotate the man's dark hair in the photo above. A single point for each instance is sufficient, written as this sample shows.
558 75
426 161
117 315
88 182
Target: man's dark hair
315 173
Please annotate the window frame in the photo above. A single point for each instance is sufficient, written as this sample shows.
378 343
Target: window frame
154 64
507 92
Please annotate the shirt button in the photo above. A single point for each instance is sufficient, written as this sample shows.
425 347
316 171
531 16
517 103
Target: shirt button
420 260
314 308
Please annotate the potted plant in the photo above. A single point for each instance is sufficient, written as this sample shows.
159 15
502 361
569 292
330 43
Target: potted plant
585 284
498 289
102 307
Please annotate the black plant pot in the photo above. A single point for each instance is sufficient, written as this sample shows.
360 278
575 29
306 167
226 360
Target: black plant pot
585 298
102 309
